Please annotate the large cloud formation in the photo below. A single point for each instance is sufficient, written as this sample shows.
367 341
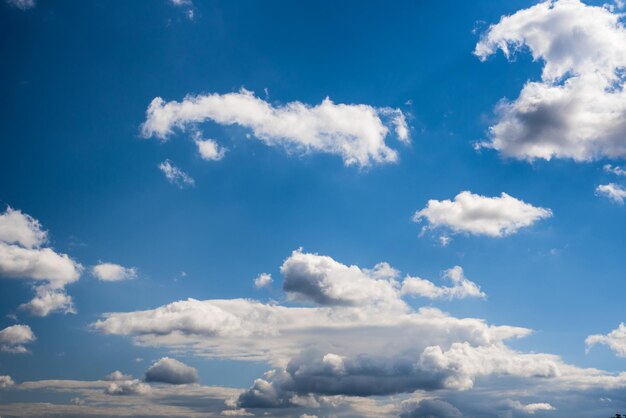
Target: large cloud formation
22 256
356 133
577 109
357 342
481 215
14 338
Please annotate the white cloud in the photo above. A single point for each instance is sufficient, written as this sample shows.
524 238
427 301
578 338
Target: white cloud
576 110
322 280
355 132
128 388
175 175
169 370
263 280
617 170
360 344
22 257
14 338
615 340
22 4
110 272
613 191
357 309
117 375
530 408
461 287
6 382
208 149
20 228
41 264
480 215
49 300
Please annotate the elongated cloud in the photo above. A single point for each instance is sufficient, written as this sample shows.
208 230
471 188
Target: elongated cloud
22 4
612 191
111 272
22 256
169 370
577 108
175 175
461 287
480 215
615 340
13 339
356 133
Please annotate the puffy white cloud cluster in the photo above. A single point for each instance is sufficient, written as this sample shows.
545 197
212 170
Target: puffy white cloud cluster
481 215
111 272
13 339
359 339
208 149
461 287
577 108
169 370
356 133
263 280
6 382
326 282
23 256
127 388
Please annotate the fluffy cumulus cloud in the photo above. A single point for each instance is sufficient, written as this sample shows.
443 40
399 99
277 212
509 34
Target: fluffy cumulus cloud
461 286
577 108
20 228
23 255
612 191
263 280
48 300
111 272
127 388
480 215
13 339
356 133
615 340
169 370
324 281
208 149
22 4
175 175
6 382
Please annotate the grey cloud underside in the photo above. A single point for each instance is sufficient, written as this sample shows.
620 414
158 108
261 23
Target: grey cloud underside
577 110
168 370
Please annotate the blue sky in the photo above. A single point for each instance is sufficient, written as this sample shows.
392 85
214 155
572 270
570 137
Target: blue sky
80 153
